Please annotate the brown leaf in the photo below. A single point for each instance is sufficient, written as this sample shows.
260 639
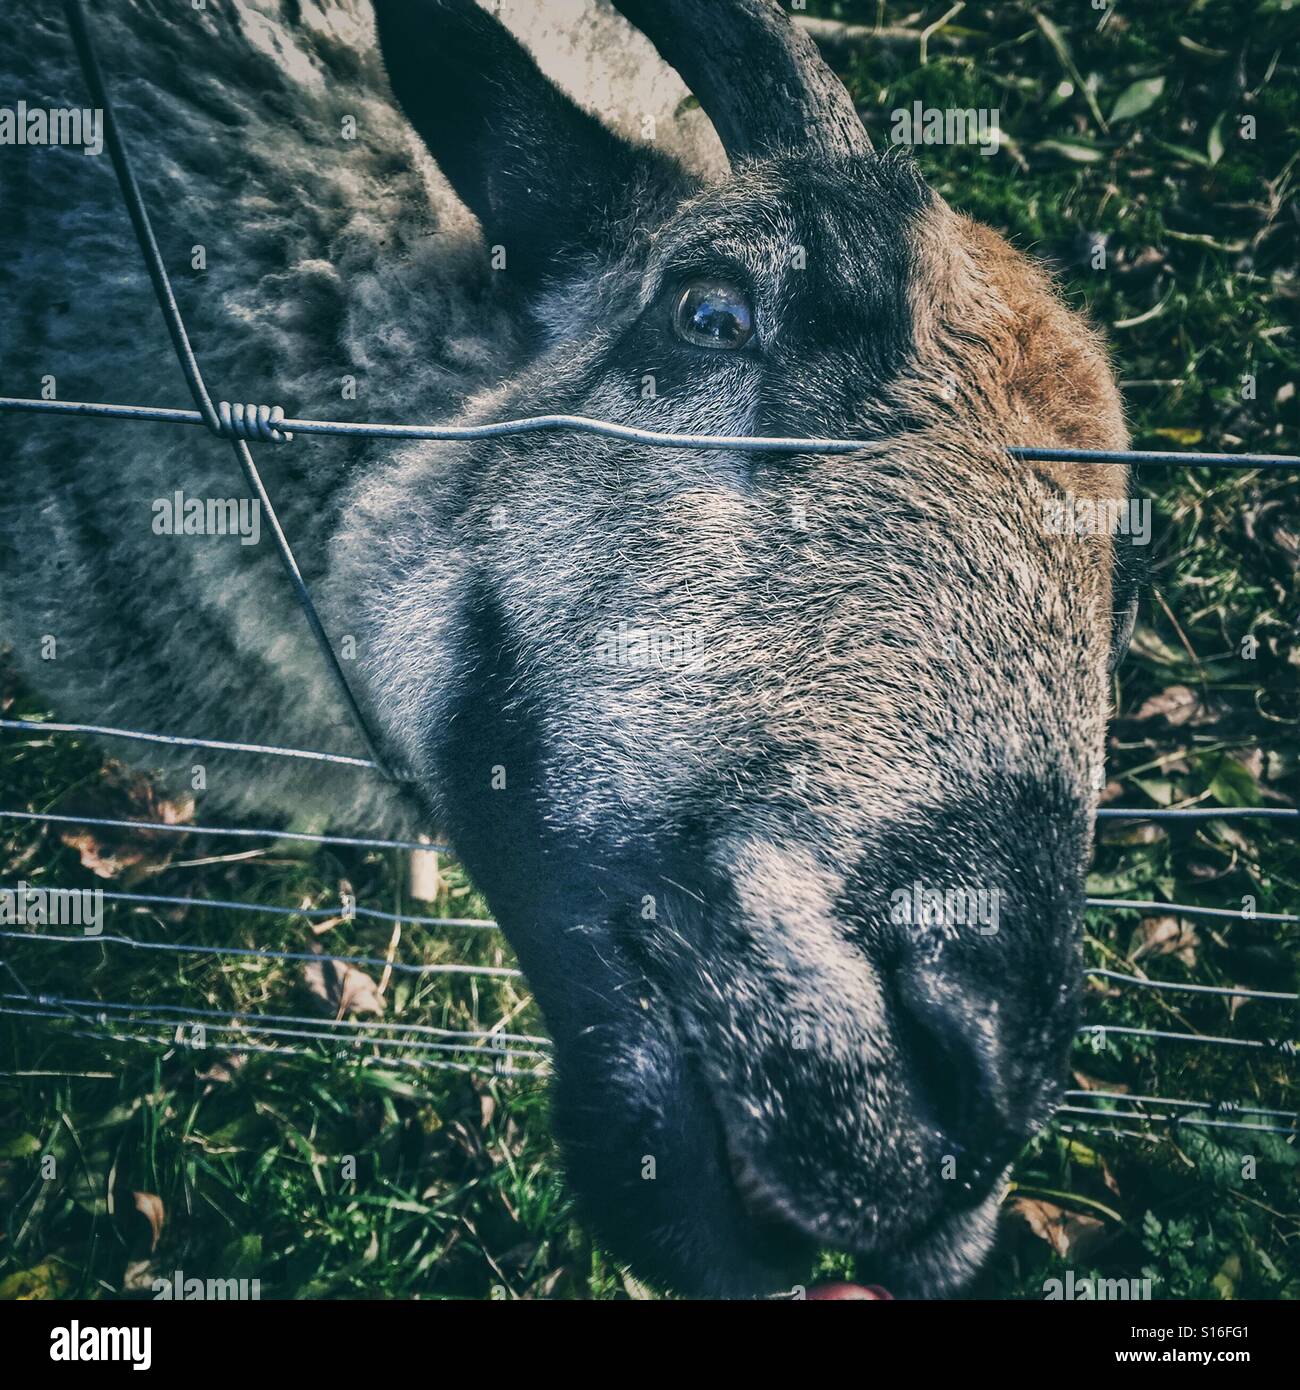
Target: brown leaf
139 1276
1230 835
222 1073
96 857
126 854
1165 936
1095 1083
1148 643
320 927
1139 832
343 988
1112 1183
1112 791
546 1285
1067 1232
150 1206
1178 705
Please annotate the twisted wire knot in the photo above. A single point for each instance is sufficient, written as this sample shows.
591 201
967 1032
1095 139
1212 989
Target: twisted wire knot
259 422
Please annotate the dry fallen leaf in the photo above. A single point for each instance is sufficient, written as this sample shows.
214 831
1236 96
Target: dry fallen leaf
1069 1233
1109 1178
546 1286
139 1276
222 1073
327 924
343 988
1165 936
150 1206
1178 705
1094 1083
128 855
1140 832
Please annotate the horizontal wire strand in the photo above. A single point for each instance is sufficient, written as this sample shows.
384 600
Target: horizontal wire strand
1189 909
1231 991
489 925
244 1045
1070 1126
1200 813
176 740
1285 1046
359 1026
271 909
1232 1105
227 1049
493 972
338 1039
1190 1120
377 843
245 832
224 745
669 439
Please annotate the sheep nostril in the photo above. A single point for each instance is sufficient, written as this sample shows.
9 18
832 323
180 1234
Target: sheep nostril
954 1083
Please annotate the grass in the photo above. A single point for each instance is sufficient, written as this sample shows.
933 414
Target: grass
322 1176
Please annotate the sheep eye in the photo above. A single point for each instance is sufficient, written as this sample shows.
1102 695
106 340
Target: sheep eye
713 314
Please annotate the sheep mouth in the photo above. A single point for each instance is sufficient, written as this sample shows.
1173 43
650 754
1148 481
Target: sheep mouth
775 1214
934 1259
769 1207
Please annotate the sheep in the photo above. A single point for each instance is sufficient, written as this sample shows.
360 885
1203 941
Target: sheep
778 770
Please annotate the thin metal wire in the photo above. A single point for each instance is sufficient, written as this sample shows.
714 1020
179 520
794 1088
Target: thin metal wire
1202 813
225 745
1232 991
1228 991
68 1008
217 420
355 1040
1284 1046
1103 813
246 832
500 972
1128 1096
358 1025
667 439
1190 910
1092 1112
273 909
383 1063
1073 1127
224 1020
27 994
1190 1120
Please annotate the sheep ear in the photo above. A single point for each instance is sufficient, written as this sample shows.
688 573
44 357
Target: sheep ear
539 173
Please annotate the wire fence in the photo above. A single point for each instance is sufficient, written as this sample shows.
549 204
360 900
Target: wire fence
512 1055
493 1051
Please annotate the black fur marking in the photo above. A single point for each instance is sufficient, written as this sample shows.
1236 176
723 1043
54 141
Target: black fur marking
541 175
